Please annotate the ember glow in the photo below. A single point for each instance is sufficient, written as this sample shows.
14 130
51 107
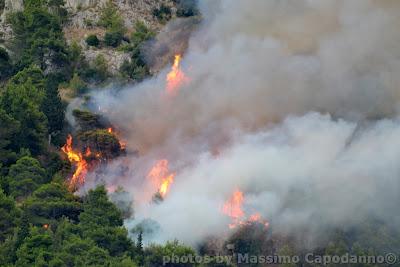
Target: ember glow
161 177
121 143
176 77
233 208
77 160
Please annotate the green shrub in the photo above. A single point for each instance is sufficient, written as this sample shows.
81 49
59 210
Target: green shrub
113 39
141 34
92 40
77 85
163 13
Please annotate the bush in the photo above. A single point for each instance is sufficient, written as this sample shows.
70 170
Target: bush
92 40
113 39
77 84
163 13
141 34
187 8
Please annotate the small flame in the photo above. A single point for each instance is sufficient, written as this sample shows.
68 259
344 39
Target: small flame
121 143
176 77
161 177
76 158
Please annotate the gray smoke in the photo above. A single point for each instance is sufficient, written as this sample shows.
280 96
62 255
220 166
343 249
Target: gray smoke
294 102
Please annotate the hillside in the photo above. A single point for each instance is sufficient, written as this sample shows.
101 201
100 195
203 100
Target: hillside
83 21
199 133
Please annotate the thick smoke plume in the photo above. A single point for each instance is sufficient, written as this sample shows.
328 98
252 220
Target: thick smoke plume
294 102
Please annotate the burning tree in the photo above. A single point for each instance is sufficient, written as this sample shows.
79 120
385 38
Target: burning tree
95 147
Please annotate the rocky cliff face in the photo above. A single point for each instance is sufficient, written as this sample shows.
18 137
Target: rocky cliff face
12 6
83 18
9 6
85 12
84 15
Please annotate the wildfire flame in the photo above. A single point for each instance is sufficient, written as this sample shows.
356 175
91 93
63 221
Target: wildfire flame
176 77
161 177
233 208
76 158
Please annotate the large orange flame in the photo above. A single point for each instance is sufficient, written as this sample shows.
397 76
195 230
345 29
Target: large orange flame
233 208
161 177
76 158
176 77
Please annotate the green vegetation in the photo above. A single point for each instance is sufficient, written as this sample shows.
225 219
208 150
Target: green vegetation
162 13
42 223
136 69
92 40
113 38
186 8
114 24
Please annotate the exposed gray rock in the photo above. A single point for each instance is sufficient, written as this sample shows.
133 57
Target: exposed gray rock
113 58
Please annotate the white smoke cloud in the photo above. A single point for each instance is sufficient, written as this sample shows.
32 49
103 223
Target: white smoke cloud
262 73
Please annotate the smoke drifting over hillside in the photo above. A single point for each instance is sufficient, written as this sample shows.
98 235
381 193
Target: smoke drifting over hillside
294 102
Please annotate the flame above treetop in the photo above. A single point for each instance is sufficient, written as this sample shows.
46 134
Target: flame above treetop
233 208
161 177
176 77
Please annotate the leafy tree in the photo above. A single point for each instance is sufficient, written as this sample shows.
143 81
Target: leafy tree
50 102
25 176
113 22
162 13
51 202
92 40
9 127
113 38
101 221
37 247
136 68
154 254
52 105
111 19
99 211
8 216
186 8
31 74
39 39
22 102
139 248
141 34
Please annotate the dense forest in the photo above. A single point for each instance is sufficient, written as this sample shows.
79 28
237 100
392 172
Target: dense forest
42 221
